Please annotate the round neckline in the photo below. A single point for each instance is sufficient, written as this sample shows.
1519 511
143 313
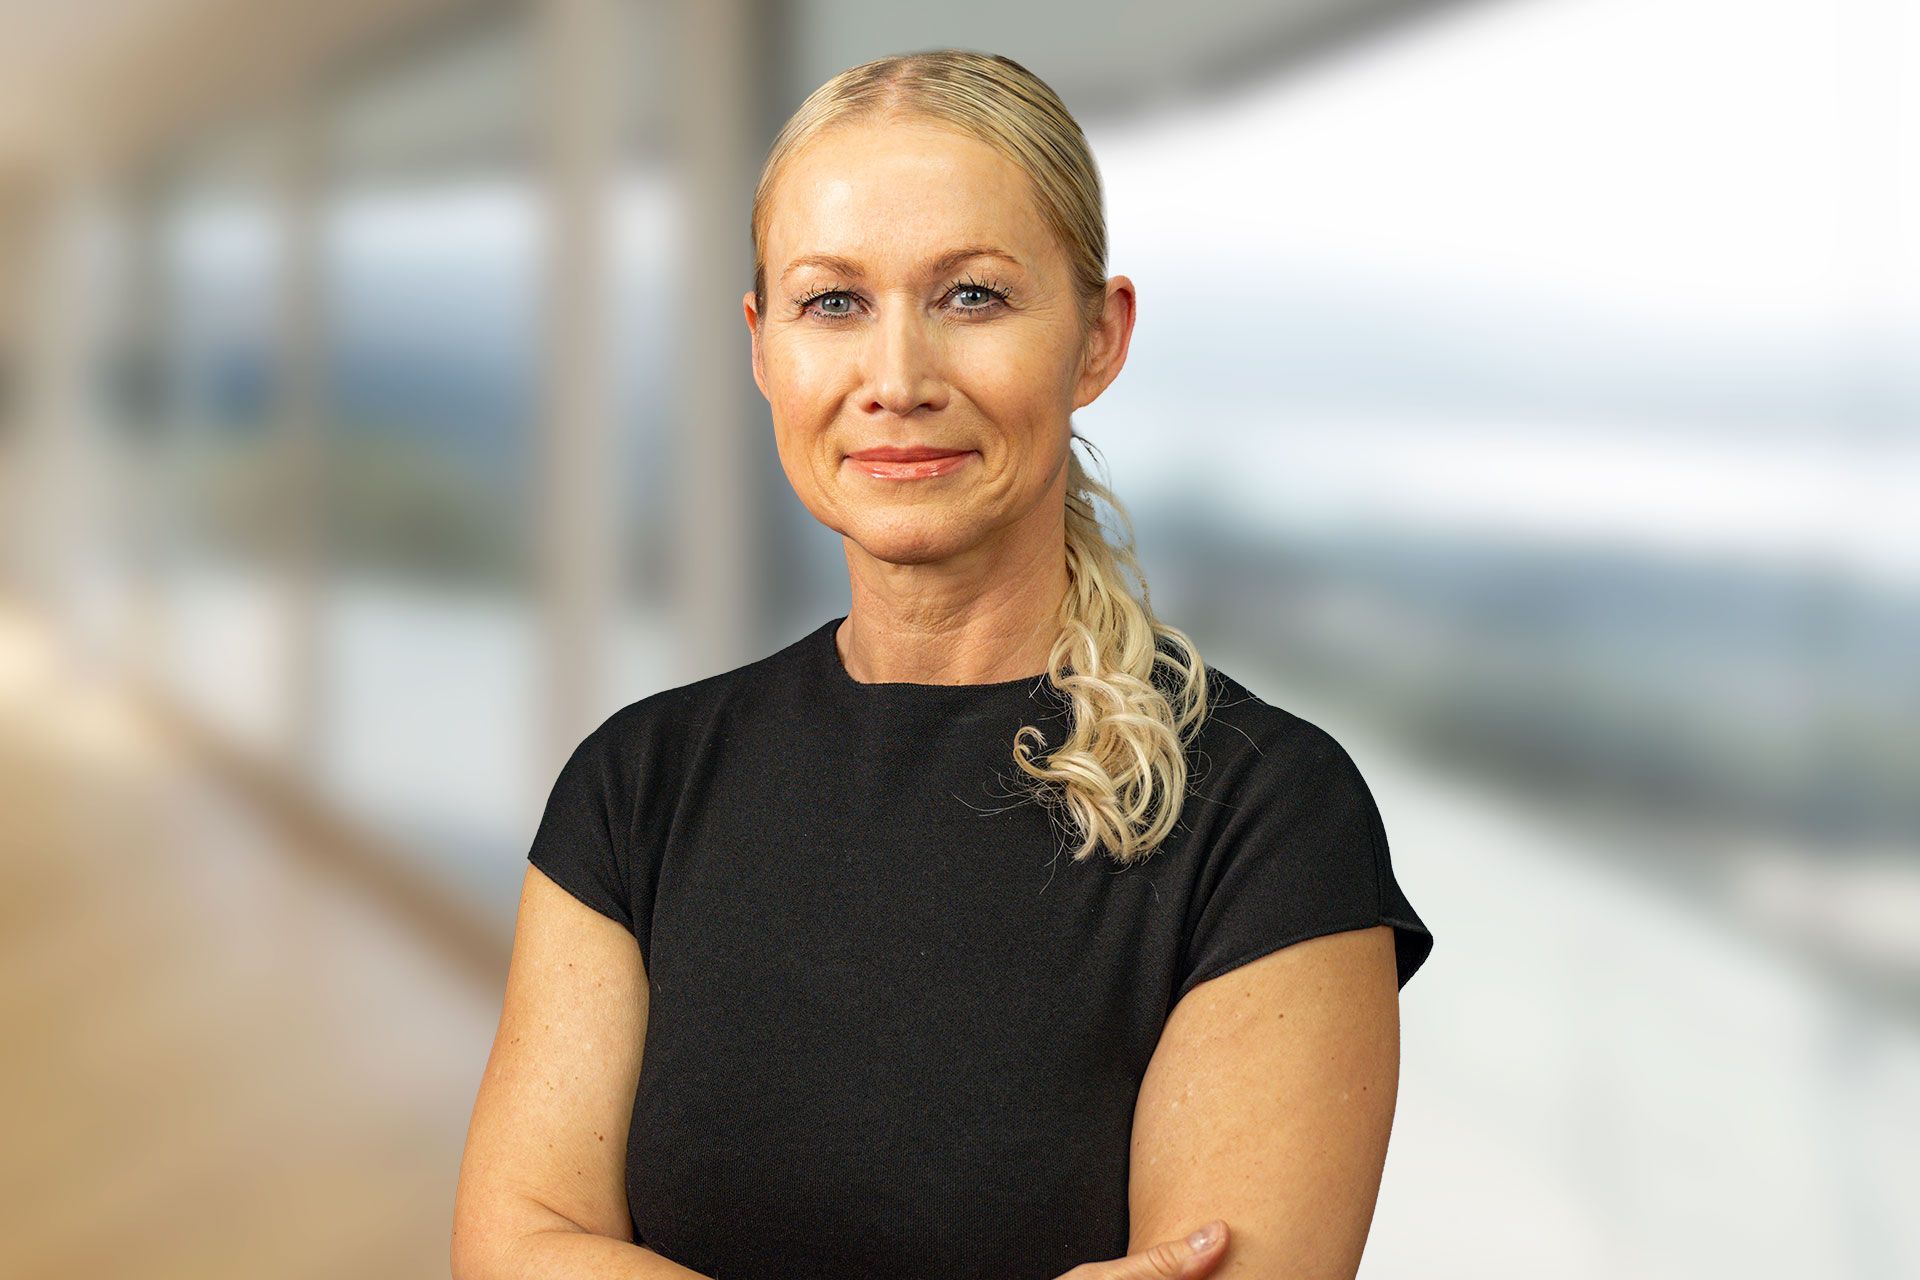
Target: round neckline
828 649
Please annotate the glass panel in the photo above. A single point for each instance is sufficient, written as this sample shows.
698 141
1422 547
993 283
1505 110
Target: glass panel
219 252
431 251
646 228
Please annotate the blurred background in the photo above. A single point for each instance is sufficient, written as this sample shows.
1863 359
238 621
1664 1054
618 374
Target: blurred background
1523 390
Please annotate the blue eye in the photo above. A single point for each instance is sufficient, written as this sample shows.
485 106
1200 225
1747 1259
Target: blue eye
993 296
992 299
802 304
830 294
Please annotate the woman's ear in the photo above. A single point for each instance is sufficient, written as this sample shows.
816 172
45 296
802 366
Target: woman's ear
753 336
1105 348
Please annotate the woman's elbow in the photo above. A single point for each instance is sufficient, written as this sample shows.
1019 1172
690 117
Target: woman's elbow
492 1233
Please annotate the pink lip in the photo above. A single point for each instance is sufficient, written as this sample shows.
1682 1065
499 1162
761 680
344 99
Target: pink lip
903 452
907 463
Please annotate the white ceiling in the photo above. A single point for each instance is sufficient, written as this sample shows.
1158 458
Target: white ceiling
60 59
1103 57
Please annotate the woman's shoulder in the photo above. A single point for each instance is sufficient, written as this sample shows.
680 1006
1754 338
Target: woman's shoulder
1260 753
1246 736
683 709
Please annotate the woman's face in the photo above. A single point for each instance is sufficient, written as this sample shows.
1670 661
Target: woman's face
916 299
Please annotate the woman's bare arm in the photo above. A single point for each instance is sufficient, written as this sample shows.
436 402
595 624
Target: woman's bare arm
1269 1102
542 1190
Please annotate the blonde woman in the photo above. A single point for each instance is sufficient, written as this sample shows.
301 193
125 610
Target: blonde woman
983 931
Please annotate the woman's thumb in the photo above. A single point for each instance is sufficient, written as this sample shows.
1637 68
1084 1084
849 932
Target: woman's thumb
1181 1259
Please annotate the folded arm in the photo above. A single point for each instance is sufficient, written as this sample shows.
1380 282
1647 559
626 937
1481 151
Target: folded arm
542 1189
1268 1103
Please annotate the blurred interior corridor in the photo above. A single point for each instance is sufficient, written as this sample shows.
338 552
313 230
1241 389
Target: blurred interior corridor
1526 391
223 1059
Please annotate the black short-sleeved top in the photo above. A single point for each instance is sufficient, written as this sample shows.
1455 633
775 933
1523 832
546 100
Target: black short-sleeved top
893 1029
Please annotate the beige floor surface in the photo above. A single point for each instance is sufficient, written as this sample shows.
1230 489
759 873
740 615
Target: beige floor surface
221 1059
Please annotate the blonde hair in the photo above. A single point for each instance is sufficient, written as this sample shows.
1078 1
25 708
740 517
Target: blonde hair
1120 777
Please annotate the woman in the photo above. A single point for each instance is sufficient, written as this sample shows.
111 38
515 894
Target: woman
888 1029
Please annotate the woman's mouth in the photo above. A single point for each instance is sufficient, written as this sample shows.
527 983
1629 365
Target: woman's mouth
908 463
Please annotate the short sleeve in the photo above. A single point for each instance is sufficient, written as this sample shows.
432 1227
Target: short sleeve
1303 853
581 842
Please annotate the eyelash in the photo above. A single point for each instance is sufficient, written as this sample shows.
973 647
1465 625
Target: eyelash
999 292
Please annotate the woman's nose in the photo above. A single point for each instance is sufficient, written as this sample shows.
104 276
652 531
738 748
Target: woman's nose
903 362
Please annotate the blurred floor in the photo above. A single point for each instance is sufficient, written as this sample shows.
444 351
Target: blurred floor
221 1059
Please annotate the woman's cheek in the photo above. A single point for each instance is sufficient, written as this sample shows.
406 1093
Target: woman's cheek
1019 364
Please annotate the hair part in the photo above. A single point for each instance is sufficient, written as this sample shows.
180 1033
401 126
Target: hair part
1119 779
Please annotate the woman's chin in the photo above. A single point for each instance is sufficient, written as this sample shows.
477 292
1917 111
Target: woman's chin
907 540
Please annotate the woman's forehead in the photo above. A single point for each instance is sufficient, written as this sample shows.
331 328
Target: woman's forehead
901 205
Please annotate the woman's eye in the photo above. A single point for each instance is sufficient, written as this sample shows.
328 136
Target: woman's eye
837 304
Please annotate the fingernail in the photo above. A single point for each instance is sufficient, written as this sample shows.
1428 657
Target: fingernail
1205 1236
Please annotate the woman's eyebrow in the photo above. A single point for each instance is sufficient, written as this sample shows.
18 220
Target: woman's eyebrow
944 263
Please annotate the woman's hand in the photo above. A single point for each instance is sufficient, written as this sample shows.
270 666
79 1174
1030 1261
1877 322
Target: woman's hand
1185 1259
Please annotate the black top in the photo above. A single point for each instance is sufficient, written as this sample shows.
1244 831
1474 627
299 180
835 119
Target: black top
893 1028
